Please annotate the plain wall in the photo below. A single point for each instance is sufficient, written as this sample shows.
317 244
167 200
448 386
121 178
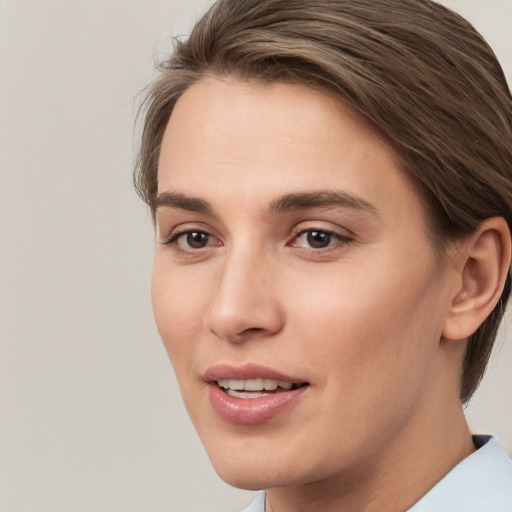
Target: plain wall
90 415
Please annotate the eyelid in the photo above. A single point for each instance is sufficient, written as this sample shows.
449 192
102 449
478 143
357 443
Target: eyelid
338 231
175 235
172 240
341 239
343 236
179 229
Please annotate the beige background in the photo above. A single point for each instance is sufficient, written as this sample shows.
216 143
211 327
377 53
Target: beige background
90 415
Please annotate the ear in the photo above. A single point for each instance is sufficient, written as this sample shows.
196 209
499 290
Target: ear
483 261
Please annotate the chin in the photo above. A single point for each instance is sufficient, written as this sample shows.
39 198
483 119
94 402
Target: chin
256 471
246 482
251 479
243 471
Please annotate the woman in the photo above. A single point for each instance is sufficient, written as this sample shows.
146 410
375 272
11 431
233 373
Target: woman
331 187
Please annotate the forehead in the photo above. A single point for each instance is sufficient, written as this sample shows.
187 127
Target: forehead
230 141
254 123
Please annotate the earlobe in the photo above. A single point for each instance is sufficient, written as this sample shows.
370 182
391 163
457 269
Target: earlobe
484 264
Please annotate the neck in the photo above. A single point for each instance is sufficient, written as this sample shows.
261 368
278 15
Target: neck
396 477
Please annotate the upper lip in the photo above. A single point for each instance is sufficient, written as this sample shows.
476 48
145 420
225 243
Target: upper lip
246 372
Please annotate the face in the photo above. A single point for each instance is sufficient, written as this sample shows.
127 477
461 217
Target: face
294 285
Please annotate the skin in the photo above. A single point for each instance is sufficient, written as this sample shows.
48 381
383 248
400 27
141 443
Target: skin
362 320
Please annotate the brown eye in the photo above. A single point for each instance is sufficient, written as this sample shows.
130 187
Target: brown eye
196 239
318 239
191 240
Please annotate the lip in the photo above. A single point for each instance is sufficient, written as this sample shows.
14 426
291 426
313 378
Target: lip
247 371
250 411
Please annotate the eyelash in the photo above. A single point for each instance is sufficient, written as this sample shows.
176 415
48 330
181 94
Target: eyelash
325 232
173 240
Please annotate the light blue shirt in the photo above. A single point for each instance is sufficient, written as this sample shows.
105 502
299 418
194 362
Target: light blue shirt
480 483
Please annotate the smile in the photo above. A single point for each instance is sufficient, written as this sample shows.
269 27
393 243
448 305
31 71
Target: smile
254 388
252 394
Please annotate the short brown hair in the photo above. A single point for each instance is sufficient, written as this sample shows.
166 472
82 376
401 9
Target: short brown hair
418 71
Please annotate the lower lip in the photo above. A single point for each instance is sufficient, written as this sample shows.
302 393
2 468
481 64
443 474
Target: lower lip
251 411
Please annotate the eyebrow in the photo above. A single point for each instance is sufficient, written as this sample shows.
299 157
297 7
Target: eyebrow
285 203
182 202
321 198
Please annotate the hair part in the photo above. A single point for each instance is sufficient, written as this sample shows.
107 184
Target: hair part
420 73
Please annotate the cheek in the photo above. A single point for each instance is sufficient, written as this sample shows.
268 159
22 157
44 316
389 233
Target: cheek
370 341
375 322
178 310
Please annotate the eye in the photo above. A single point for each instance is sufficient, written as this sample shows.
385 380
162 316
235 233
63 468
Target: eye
317 239
190 240
195 239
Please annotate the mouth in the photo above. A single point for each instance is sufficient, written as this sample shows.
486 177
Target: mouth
256 388
252 394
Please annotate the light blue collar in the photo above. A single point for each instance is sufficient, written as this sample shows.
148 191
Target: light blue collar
480 483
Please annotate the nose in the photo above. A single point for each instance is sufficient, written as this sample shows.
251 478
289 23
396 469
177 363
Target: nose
245 304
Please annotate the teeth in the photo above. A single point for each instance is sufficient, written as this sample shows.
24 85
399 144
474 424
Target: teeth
244 394
259 384
236 384
270 384
253 385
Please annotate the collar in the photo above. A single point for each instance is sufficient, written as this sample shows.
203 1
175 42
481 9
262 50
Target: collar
482 482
